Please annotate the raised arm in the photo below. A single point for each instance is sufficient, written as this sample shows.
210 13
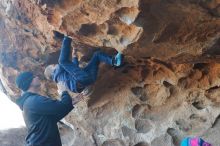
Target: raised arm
65 51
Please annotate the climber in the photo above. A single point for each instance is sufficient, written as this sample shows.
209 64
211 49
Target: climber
78 79
40 113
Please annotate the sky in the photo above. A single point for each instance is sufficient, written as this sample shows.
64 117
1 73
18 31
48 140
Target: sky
10 113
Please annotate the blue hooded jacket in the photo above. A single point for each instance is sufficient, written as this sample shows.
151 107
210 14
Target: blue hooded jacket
41 115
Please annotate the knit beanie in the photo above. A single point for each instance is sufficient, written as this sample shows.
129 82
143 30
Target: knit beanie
23 80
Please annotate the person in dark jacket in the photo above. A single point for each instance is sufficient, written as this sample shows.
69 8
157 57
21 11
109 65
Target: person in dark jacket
40 113
68 72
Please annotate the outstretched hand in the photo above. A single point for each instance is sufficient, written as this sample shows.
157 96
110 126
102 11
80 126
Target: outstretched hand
77 98
61 88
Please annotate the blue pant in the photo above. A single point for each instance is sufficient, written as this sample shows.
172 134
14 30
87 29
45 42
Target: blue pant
93 66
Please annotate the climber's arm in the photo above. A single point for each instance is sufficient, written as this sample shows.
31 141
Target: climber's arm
65 51
75 61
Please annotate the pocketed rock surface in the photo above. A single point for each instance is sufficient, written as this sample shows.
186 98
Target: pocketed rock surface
168 87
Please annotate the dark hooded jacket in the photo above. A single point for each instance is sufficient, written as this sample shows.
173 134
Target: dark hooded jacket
41 115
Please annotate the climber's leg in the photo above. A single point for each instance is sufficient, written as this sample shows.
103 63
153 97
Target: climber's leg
93 66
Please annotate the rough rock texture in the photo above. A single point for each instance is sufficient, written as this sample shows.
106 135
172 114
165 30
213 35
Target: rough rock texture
169 87
12 137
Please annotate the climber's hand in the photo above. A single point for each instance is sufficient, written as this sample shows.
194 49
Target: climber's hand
61 88
74 52
77 98
69 34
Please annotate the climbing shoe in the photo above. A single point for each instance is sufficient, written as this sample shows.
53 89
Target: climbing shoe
117 60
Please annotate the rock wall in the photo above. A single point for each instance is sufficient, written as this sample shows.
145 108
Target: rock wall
169 87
